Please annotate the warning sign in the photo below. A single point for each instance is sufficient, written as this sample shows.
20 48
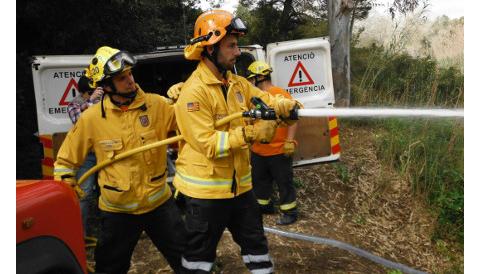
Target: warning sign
302 73
60 86
69 93
56 84
300 76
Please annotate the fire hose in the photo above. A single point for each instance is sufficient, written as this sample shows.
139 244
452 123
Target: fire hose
341 245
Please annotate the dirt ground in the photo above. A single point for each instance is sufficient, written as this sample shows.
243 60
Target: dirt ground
358 201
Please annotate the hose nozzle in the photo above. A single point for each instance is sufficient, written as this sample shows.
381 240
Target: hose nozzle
261 110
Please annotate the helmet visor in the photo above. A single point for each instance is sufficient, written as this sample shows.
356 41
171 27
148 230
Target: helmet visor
237 26
117 62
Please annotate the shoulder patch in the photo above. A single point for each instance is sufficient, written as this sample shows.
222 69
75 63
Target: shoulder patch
144 121
239 97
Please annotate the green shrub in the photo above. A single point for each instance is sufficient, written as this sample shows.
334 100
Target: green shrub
430 155
383 79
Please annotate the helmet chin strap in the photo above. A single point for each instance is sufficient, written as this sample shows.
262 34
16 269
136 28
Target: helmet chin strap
214 59
259 81
128 95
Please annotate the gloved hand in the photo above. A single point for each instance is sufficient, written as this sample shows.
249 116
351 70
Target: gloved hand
289 147
262 131
236 137
72 182
174 91
283 108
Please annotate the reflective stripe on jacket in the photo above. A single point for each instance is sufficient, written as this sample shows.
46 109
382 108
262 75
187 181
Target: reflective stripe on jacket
136 184
206 165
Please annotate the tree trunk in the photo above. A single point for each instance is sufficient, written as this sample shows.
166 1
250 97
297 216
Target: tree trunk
339 12
284 19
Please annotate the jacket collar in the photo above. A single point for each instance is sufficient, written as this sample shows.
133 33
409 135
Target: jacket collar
137 102
207 76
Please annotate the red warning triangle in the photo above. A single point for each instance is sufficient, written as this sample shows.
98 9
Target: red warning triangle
71 85
300 69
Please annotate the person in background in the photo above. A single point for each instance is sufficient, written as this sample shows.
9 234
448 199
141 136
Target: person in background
87 97
273 161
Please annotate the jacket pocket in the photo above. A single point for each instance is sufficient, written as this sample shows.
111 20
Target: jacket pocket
110 147
204 165
203 169
119 200
149 137
117 175
157 179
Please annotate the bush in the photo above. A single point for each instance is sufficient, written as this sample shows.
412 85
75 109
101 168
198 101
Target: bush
382 78
430 155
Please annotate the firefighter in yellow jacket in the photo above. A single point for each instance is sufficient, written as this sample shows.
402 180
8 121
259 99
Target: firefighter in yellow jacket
134 196
213 170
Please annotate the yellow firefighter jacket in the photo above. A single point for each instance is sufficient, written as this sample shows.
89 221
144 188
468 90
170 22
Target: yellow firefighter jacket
206 165
133 185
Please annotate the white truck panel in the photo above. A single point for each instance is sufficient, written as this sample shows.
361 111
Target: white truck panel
55 82
255 50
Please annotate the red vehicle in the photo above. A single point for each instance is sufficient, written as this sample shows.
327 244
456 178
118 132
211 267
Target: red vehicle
49 229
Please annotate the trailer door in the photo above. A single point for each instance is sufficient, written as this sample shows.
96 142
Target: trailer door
303 68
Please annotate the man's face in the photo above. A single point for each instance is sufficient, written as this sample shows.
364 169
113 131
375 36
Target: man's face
228 51
124 82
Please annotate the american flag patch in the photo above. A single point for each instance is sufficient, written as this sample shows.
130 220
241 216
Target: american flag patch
193 106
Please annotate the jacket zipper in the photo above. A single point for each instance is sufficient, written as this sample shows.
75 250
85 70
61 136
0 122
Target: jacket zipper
234 185
234 182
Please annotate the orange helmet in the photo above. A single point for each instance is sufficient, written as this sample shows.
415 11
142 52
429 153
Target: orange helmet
210 27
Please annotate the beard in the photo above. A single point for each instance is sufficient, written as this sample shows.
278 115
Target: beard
225 63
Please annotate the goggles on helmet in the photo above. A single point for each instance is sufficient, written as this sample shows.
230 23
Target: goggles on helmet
237 26
118 62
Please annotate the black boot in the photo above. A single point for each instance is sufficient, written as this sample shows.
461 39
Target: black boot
287 218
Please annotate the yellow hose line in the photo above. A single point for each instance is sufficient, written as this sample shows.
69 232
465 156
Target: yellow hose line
228 119
131 152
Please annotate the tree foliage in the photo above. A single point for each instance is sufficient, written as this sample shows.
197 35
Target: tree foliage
273 21
280 20
81 26
406 6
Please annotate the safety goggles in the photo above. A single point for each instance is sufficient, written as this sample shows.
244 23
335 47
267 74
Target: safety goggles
237 26
118 62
